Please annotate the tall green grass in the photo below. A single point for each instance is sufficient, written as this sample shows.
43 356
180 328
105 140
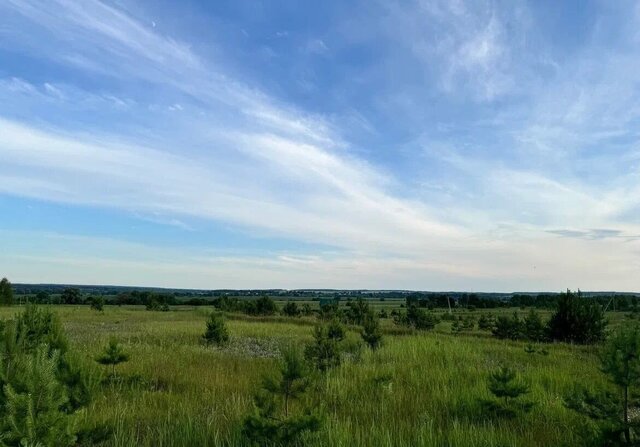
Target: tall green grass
417 390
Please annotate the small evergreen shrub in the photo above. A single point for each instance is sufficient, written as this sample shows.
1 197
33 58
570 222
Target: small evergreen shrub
112 355
276 419
216 331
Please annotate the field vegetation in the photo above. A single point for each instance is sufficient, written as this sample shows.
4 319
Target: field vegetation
139 375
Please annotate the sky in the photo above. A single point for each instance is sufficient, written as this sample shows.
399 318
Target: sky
380 144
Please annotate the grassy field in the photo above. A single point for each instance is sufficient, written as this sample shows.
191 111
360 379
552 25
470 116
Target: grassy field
419 389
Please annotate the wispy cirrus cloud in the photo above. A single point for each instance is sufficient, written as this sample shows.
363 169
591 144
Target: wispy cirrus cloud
465 172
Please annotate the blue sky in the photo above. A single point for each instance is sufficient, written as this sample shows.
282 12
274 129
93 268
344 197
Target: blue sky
440 145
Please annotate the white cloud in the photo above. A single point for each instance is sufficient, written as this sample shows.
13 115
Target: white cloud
237 155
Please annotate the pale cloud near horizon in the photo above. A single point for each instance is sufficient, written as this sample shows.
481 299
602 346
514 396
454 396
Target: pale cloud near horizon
211 146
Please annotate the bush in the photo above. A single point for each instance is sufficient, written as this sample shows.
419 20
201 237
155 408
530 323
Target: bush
266 306
291 309
357 311
577 320
97 303
486 322
216 332
511 328
306 309
417 318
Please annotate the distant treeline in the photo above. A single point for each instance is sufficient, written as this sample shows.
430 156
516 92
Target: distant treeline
622 302
57 294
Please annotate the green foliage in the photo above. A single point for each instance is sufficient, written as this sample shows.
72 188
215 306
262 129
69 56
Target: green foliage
603 408
41 383
461 324
34 327
357 311
216 332
113 354
290 309
620 361
71 295
371 332
152 305
511 328
533 327
306 310
35 403
417 318
6 292
262 306
325 351
486 322
577 320
273 421
508 390
530 328
97 303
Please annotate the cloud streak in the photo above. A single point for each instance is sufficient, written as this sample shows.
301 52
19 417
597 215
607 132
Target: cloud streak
171 132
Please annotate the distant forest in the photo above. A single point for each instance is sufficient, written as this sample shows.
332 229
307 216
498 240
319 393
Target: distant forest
121 295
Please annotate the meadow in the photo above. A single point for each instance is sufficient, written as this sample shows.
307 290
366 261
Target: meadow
418 389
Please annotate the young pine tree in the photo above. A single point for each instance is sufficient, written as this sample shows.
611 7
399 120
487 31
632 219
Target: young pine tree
290 309
216 332
620 360
577 320
113 355
35 403
325 352
371 332
41 383
508 389
274 420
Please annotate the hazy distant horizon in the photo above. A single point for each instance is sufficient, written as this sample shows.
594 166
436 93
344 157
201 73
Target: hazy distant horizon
443 145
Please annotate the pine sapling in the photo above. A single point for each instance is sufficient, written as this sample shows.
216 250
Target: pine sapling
113 355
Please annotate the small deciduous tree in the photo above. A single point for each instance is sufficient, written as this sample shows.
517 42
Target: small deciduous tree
71 295
274 421
216 331
112 355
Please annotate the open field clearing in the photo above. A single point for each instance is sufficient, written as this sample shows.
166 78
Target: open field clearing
417 389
